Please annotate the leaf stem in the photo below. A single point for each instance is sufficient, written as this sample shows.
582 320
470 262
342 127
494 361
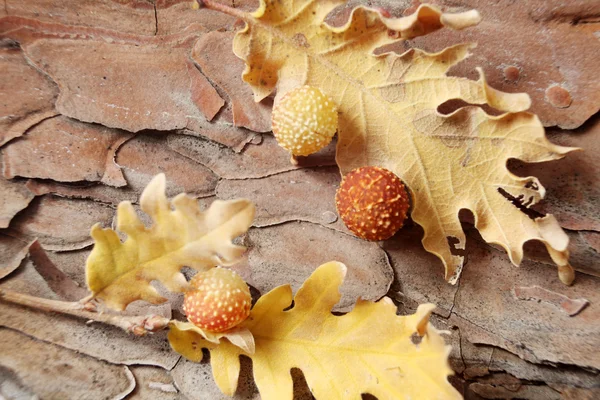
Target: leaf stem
138 325
214 5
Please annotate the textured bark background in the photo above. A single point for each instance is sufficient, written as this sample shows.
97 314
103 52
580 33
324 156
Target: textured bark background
98 96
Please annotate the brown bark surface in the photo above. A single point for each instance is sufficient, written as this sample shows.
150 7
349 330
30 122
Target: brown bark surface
97 97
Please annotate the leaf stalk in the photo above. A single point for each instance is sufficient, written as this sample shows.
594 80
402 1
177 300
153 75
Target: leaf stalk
138 325
214 5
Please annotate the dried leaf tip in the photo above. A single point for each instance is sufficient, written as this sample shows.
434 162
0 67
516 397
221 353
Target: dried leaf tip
566 274
461 20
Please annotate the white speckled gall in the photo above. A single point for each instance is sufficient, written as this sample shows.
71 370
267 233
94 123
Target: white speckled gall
304 121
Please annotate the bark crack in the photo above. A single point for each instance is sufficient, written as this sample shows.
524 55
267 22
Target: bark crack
155 19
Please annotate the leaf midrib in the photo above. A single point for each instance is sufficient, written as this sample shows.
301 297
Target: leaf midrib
306 343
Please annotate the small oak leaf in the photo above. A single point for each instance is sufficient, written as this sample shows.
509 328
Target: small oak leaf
182 235
369 350
388 118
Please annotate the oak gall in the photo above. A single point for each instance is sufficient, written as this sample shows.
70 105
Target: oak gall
304 121
372 202
218 301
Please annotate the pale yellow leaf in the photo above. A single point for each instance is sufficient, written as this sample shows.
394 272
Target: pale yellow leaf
189 342
388 118
238 336
181 235
368 350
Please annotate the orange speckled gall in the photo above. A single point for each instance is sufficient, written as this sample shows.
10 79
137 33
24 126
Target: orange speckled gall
219 300
372 202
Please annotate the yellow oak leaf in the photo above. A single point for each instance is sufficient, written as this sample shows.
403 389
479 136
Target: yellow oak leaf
369 350
238 336
182 235
388 117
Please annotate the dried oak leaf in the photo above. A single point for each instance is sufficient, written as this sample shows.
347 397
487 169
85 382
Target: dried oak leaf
368 350
388 117
182 235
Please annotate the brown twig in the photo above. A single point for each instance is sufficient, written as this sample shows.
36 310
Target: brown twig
213 5
138 325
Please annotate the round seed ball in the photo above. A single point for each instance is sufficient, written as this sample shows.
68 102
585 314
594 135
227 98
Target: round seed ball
372 202
219 300
304 121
